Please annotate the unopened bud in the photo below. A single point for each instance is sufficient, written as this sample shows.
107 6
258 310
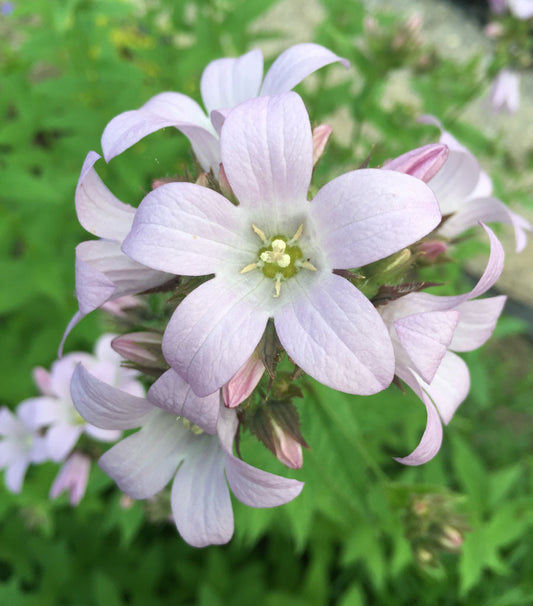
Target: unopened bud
225 187
321 134
451 538
141 348
425 557
243 382
42 380
72 478
423 162
120 307
202 180
287 450
432 249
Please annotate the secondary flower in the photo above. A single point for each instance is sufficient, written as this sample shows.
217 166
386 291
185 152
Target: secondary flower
55 410
505 92
521 9
225 83
193 449
273 256
426 330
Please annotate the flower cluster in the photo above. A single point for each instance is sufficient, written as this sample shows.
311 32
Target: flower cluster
258 282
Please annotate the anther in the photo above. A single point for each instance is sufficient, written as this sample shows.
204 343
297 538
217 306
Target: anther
248 268
259 232
297 234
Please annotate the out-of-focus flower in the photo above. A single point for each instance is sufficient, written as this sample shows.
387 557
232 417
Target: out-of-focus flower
193 450
505 92
426 330
498 6
225 83
72 477
55 410
20 445
521 9
274 254
6 8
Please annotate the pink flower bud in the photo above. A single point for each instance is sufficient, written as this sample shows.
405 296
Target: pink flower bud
119 307
72 477
143 348
245 380
321 134
451 538
432 249
287 449
423 162
203 180
41 378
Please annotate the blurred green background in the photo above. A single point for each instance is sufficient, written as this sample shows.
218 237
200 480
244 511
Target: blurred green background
356 535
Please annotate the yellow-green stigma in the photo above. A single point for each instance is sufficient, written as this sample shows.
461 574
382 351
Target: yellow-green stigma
279 258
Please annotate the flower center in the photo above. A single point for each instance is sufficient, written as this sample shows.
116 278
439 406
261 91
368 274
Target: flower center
279 258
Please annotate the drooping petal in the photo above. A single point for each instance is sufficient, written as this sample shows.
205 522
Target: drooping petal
431 440
227 82
104 272
172 393
15 473
450 386
267 152
335 334
99 211
185 229
425 338
423 162
478 320
368 214
487 210
165 109
295 64
214 331
61 439
105 406
144 463
200 498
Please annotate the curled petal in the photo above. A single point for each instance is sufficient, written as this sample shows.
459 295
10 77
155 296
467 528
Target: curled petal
478 320
423 162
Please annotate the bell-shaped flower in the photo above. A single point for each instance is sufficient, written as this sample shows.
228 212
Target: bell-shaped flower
55 410
274 254
425 330
72 478
225 83
190 445
20 445
505 92
464 191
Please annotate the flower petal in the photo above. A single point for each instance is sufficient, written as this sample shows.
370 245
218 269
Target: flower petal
214 331
15 473
425 338
200 498
477 323
144 463
105 406
61 439
99 211
39 412
227 82
267 152
165 109
257 488
185 229
295 64
172 393
368 214
335 334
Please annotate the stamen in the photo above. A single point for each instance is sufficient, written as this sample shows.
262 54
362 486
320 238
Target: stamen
298 233
277 286
307 265
259 232
248 268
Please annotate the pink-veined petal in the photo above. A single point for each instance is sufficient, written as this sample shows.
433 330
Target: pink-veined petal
295 64
172 393
368 214
257 488
423 162
200 499
144 463
165 109
214 331
99 211
185 229
431 440
335 334
105 406
425 338
267 152
477 323
227 82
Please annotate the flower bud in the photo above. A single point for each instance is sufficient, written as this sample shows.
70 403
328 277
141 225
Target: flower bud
72 477
120 307
423 162
321 134
287 450
451 538
141 348
432 249
225 187
243 382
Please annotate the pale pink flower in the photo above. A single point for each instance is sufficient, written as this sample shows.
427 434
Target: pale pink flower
190 446
225 83
426 330
72 478
325 324
505 92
